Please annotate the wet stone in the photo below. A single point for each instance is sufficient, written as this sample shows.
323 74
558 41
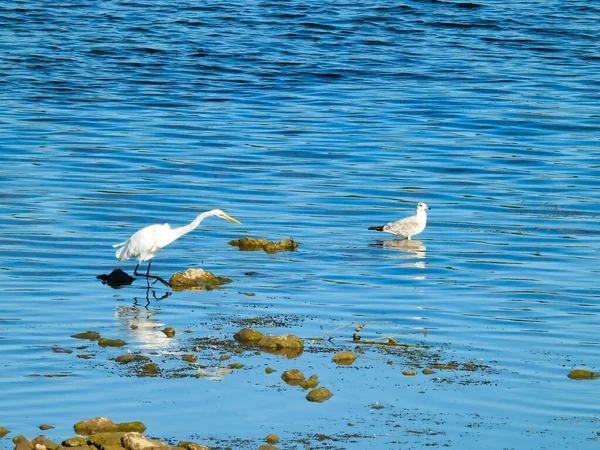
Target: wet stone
3 432
192 446
293 377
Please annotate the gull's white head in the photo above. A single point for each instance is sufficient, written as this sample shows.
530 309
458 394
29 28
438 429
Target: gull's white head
422 207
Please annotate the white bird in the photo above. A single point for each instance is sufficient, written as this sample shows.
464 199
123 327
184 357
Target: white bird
147 242
409 226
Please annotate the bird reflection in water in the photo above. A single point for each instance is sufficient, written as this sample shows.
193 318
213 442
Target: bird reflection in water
412 248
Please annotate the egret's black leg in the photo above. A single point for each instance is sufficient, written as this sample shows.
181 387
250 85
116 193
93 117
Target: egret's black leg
156 277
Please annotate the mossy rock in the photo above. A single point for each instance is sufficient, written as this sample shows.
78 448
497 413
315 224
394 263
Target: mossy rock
3 432
169 332
129 357
136 426
103 342
310 383
283 341
253 244
272 439
102 440
196 280
248 336
293 377
44 443
344 358
150 370
580 374
192 446
91 335
319 395
95 425
190 358
75 442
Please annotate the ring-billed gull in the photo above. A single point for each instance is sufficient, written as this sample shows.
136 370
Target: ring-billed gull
409 226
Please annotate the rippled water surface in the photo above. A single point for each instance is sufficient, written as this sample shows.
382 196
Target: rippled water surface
312 120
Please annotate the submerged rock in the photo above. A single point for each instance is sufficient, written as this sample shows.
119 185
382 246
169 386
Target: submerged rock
344 358
44 427
116 278
319 395
253 244
196 280
190 358
580 374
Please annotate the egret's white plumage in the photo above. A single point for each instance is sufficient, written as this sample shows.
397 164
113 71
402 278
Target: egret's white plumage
409 226
144 244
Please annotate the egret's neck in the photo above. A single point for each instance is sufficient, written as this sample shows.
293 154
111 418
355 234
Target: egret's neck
181 231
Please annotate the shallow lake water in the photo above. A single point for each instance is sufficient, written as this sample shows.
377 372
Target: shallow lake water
312 121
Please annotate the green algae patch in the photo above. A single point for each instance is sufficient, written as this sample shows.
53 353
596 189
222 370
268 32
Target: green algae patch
169 332
248 336
580 374
91 335
254 244
319 395
135 426
344 358
3 432
196 280
103 342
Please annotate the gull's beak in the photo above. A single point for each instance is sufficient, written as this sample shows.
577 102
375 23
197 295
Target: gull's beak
225 216
428 207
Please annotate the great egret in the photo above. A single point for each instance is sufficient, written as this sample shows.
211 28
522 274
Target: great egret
409 226
147 242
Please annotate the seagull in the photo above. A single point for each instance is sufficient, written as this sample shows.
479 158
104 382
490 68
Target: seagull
409 226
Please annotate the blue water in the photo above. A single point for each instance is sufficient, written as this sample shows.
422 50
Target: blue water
311 120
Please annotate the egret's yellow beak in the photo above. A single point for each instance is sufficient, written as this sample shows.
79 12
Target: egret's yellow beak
225 216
